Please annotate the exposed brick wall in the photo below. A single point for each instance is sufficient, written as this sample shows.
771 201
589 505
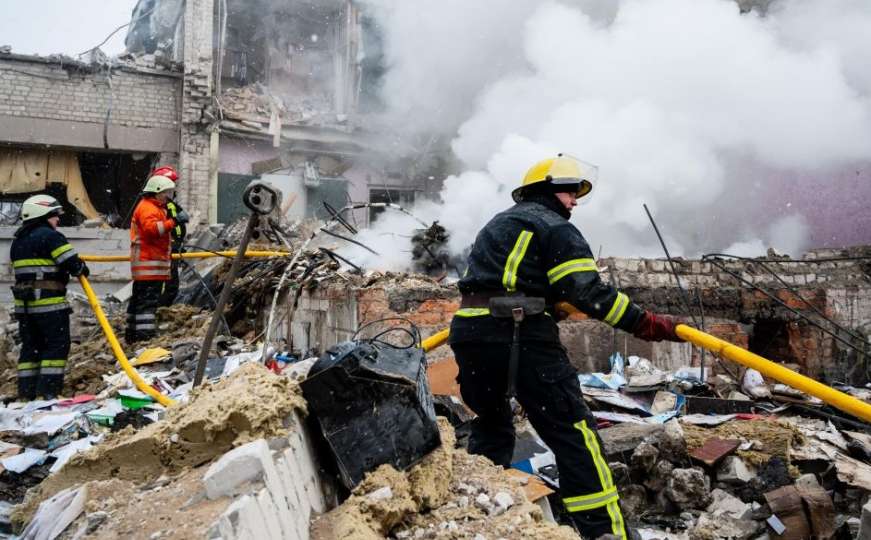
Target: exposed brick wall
753 321
196 160
36 89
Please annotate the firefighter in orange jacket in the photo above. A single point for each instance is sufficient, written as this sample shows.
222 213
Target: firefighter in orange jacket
150 256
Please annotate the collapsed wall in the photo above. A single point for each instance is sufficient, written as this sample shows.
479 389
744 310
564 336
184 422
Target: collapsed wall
823 285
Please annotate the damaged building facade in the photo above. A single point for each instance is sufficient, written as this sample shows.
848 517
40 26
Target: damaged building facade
226 91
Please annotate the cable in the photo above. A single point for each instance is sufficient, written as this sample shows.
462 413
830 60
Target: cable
115 31
791 289
290 265
208 291
335 215
782 303
685 297
793 261
108 110
683 293
413 331
351 240
338 258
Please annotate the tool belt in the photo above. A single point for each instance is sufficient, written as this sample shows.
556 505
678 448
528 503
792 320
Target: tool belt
504 303
515 307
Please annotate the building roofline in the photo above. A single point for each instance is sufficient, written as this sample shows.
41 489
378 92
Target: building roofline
68 62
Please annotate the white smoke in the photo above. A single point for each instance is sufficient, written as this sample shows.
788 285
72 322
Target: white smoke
686 105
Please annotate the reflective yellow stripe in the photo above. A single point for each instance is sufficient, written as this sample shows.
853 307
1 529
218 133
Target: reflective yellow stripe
570 267
592 445
472 312
32 262
509 277
53 363
55 253
27 365
618 526
618 309
591 501
43 301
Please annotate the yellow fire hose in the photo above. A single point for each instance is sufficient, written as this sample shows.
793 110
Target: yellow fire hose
107 329
191 255
835 398
116 347
436 340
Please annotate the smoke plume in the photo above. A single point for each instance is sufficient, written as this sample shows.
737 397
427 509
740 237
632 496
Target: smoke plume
721 122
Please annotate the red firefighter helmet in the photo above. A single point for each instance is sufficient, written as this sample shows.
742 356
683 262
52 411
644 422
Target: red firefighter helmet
166 171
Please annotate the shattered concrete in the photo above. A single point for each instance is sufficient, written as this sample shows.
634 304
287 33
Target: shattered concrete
251 403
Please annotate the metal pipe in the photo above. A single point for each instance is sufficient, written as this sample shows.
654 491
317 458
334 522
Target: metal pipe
222 300
833 397
131 372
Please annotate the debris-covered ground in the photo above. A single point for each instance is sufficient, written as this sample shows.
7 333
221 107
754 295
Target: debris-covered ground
250 403
723 458
449 495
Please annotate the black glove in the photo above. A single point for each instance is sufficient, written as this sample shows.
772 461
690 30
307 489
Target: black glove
84 271
182 217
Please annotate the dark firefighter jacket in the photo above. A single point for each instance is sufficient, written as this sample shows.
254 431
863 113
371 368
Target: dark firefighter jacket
532 249
180 229
42 261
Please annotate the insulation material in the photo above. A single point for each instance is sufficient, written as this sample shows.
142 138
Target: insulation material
28 171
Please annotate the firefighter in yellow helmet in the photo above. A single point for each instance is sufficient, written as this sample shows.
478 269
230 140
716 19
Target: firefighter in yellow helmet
506 341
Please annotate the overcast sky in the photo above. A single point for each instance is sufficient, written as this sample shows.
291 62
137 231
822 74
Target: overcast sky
63 26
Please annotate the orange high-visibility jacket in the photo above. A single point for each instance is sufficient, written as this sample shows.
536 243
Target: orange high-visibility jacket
150 240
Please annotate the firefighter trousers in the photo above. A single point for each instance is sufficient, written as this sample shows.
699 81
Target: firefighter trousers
170 288
45 346
142 310
549 391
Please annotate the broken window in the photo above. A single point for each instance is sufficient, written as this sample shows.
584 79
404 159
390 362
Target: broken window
88 185
295 60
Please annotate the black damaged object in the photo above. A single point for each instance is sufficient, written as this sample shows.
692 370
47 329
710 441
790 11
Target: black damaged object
373 405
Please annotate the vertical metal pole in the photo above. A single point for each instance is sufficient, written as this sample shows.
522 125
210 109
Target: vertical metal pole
703 329
222 300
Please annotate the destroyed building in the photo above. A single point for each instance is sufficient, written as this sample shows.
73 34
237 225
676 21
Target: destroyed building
232 90
225 91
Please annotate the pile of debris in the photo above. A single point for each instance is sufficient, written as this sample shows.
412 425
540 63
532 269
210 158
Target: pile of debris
249 404
256 107
705 460
450 494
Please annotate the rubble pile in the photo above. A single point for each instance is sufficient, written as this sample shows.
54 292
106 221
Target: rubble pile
257 107
706 461
250 403
450 494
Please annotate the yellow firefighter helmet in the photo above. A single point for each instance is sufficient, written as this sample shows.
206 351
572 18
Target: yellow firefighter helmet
562 170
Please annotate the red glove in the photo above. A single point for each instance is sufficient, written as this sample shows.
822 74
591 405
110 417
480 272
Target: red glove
653 327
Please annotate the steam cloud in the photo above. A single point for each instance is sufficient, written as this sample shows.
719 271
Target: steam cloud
719 121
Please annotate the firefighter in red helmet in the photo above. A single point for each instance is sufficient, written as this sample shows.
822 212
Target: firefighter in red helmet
170 289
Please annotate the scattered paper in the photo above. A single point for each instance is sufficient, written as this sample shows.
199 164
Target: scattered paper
23 461
707 419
